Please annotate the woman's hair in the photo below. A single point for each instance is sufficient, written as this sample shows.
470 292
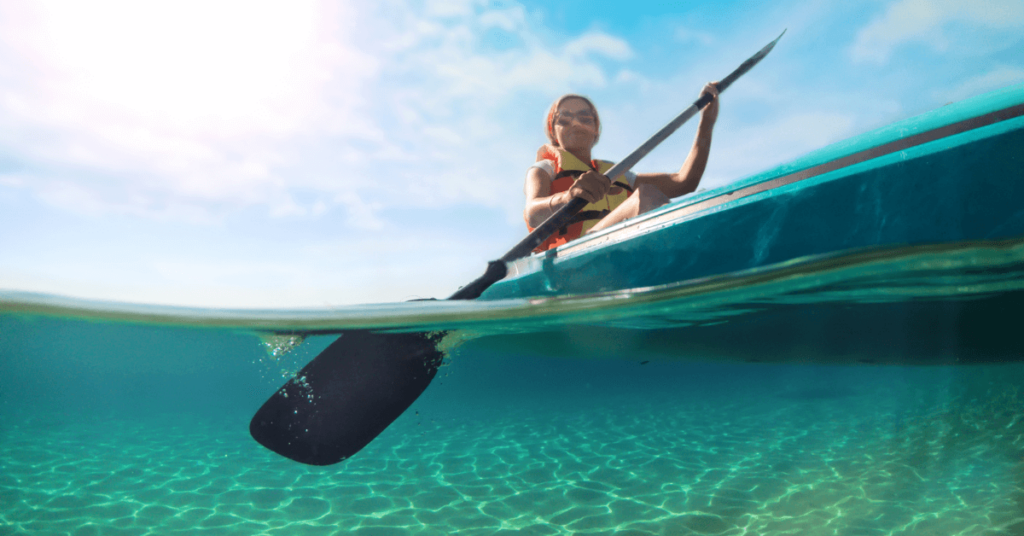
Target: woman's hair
549 123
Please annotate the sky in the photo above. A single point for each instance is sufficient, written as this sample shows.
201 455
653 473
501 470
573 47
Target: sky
253 154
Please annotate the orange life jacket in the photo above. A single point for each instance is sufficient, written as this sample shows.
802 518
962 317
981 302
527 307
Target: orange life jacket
567 169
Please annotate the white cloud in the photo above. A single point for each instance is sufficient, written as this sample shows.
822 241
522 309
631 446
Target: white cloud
598 43
997 78
455 99
509 19
193 109
138 107
362 214
929 22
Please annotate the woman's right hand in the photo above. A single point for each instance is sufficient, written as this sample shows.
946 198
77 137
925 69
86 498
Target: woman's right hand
591 186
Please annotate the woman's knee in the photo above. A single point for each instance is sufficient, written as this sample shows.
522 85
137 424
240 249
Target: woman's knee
649 197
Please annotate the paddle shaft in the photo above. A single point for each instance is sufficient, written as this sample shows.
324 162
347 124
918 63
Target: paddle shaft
496 270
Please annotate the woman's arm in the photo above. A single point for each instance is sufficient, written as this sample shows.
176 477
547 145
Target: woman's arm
689 175
541 203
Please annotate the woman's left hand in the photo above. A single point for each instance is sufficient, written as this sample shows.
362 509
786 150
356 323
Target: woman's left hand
710 113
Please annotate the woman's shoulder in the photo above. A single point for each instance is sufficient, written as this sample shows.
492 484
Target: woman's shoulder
547 166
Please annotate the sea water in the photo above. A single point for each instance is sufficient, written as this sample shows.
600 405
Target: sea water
870 393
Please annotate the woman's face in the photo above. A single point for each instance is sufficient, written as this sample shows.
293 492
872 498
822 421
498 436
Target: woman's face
575 126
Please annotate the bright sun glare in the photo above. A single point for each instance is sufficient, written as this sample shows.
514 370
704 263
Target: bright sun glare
199 66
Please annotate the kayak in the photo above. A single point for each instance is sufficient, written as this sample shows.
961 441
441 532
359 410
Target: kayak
955 174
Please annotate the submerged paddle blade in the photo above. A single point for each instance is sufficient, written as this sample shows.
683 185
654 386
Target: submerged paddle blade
347 395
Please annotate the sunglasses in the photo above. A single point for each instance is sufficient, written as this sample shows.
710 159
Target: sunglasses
566 118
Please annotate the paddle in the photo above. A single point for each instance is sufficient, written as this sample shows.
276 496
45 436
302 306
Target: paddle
363 381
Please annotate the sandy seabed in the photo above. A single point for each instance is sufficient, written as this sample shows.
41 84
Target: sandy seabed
806 463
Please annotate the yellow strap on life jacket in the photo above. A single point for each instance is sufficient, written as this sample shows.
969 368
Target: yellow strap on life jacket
616 194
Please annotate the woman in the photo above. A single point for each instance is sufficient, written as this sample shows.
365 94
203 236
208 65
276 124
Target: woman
565 169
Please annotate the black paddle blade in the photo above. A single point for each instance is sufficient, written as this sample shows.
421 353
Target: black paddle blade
347 395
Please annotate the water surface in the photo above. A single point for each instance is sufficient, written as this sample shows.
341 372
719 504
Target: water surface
877 392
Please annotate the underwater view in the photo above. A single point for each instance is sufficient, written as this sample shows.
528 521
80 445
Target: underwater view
741 268
783 400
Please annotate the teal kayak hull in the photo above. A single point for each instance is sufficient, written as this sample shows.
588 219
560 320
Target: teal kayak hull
951 175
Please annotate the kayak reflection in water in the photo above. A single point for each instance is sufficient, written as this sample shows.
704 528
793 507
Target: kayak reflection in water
565 169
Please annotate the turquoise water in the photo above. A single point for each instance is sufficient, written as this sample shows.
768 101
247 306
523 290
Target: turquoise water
874 393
